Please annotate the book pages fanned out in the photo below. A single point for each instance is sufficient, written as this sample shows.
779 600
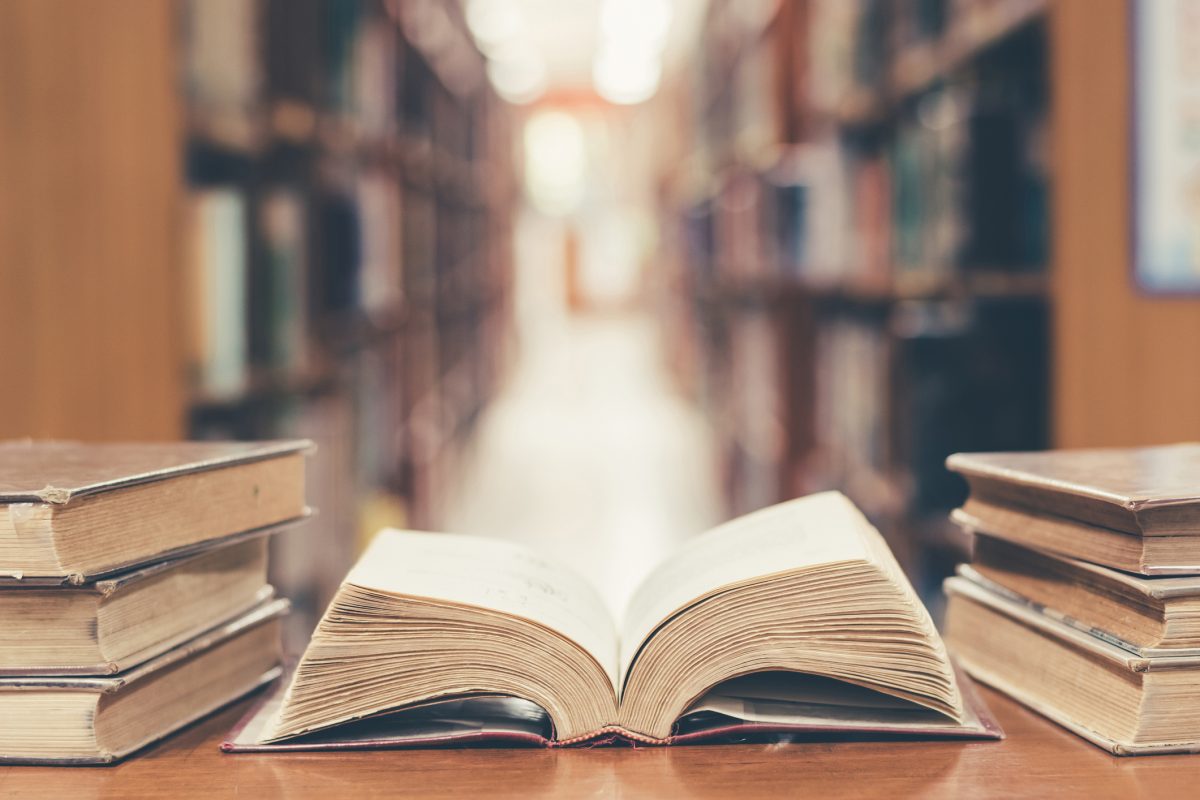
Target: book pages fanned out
431 637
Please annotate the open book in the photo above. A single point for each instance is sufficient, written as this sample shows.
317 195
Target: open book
794 618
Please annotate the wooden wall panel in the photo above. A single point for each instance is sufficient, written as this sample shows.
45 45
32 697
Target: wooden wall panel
89 182
1126 365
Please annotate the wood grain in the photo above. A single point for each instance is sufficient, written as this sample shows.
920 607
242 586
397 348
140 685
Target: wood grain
90 166
1125 363
1037 759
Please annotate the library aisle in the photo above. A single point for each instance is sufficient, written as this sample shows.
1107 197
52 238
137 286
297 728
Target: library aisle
589 455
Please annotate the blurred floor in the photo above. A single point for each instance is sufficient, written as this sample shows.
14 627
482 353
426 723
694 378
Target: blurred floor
590 456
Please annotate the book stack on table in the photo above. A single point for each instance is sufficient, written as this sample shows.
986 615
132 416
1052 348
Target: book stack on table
1082 600
133 588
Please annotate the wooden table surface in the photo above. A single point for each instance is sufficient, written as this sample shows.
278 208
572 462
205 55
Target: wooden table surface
1037 759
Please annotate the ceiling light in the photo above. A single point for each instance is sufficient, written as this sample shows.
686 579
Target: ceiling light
626 78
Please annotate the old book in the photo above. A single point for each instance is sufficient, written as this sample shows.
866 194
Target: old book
110 625
1148 616
1147 491
99 720
72 511
1145 555
1122 702
795 617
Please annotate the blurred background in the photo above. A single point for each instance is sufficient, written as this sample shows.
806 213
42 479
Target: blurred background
597 275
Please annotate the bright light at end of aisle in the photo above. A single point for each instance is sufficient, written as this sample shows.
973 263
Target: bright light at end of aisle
555 162
628 63
515 67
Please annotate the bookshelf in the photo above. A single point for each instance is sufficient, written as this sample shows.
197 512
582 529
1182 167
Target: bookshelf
258 219
360 164
861 225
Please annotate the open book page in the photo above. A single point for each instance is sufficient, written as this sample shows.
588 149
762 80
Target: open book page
491 574
819 529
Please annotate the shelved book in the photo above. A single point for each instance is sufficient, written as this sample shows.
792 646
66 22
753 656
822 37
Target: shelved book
1133 509
795 618
72 512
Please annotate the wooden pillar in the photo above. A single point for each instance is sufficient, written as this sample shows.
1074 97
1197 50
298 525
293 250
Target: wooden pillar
89 183
1126 364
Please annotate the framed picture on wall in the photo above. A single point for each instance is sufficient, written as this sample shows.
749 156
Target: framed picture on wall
1166 145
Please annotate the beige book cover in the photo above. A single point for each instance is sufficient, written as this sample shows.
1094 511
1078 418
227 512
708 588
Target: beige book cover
1150 491
100 720
74 511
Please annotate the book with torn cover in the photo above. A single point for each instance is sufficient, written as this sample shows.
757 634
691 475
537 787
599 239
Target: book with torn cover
1126 703
72 512
792 619
99 720
107 626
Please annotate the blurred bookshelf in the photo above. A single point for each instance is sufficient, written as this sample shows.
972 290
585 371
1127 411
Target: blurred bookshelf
347 252
860 227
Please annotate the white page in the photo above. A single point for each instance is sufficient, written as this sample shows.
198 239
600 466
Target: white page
819 529
492 574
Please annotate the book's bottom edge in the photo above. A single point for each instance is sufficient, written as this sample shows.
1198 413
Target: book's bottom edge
1057 716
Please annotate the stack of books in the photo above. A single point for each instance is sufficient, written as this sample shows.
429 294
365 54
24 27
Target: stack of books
133 588
1082 600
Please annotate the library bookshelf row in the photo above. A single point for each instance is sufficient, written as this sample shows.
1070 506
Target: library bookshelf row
857 247
349 186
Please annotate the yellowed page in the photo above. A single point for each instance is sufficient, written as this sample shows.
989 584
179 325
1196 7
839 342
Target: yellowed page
491 574
818 529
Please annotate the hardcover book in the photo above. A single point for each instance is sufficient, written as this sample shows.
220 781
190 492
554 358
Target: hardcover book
99 720
107 626
794 618
71 512
1145 555
1147 616
1146 491
1126 703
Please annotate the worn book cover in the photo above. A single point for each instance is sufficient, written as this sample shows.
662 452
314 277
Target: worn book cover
1148 491
74 512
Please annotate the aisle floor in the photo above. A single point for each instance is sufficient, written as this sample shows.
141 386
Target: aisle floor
590 456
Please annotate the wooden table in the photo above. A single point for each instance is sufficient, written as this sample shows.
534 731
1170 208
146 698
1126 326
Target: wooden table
1037 760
